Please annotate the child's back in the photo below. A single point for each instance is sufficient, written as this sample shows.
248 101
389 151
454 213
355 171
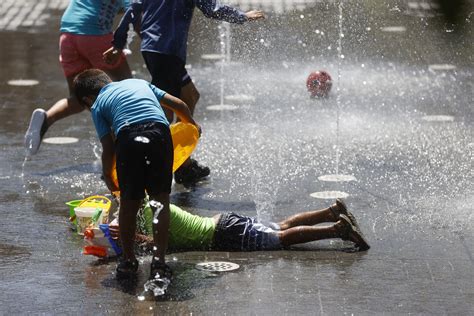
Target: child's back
91 17
127 102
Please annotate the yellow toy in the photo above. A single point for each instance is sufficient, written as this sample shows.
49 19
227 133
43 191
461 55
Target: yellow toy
185 138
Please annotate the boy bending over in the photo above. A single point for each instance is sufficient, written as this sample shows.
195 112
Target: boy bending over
133 129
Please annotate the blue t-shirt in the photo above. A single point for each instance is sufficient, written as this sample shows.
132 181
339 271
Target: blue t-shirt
127 102
91 17
165 24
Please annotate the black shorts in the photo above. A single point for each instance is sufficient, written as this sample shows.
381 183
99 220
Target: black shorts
144 160
235 232
167 72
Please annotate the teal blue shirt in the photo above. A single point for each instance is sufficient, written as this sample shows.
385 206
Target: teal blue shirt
91 17
127 102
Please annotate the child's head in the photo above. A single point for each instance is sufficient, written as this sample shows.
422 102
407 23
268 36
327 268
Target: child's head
87 85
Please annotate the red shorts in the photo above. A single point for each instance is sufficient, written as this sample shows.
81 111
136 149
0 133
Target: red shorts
81 52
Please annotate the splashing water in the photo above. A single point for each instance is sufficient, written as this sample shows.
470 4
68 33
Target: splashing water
157 207
338 96
223 42
141 139
22 175
130 36
156 286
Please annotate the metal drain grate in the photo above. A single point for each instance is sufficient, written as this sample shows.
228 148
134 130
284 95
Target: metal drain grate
217 266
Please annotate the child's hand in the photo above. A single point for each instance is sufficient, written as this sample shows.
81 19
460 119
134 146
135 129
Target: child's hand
254 15
114 230
111 56
110 183
198 128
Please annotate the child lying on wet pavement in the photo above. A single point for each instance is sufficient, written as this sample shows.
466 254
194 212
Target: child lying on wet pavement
234 232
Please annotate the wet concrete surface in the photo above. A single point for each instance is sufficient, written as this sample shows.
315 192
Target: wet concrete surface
413 194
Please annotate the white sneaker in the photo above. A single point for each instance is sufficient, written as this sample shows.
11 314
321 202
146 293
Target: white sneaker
33 134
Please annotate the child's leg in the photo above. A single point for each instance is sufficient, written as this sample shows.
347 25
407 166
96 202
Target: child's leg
308 218
64 107
190 95
166 73
127 223
302 234
92 48
341 229
160 229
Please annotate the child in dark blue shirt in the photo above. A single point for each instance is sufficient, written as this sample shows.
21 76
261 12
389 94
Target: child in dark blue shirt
164 29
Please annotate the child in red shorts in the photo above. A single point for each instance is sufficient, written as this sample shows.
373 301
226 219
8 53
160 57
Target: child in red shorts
86 32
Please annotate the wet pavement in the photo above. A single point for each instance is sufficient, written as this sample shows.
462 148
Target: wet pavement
399 119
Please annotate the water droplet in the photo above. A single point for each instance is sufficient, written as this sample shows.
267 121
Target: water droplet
141 139
157 209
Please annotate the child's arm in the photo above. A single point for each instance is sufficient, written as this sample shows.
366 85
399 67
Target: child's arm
180 108
108 161
213 9
132 15
174 104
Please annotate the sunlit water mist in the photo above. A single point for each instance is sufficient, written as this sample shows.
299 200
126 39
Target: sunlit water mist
338 86
225 56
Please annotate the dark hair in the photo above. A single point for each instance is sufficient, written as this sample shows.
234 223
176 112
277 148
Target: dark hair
89 82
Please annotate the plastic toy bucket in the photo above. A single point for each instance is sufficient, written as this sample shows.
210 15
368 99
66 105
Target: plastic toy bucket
98 201
72 215
87 217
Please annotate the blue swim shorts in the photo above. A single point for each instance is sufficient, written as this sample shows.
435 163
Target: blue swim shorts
235 232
